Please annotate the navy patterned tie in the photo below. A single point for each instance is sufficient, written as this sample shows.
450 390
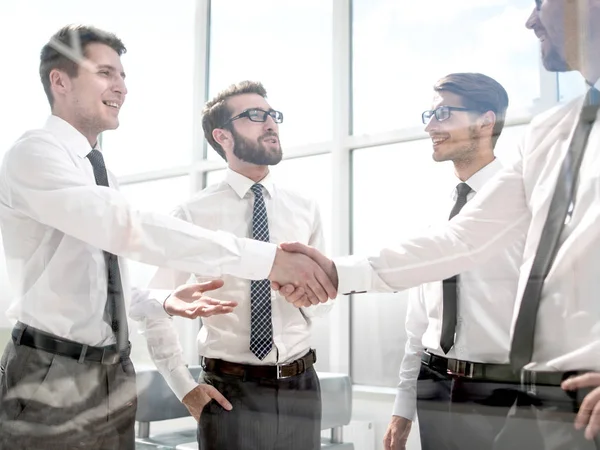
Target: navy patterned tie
450 285
115 303
261 326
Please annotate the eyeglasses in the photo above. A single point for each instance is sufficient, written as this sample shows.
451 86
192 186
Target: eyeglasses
258 115
442 113
538 4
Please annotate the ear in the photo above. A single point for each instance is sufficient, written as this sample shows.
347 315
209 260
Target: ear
488 120
60 82
221 136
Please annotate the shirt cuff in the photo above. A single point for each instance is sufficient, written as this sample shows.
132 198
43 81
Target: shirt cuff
405 405
354 274
181 381
256 260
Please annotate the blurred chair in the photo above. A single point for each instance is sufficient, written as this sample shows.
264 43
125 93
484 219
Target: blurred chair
156 402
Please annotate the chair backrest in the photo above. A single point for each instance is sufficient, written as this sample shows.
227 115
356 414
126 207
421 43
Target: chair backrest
336 399
156 401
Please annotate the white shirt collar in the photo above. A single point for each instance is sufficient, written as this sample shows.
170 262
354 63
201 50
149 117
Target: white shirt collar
241 184
68 134
482 176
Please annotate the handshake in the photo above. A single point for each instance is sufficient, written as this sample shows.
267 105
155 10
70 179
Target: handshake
301 274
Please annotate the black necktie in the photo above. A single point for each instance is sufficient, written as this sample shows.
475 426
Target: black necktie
115 303
561 206
450 294
261 325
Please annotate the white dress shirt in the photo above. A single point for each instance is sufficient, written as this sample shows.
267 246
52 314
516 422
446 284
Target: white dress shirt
56 221
567 333
228 205
486 296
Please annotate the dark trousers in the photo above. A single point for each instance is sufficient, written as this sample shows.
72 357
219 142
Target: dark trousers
543 420
267 414
458 413
53 402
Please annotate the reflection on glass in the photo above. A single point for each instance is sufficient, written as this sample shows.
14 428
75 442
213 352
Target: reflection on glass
159 196
400 49
268 41
156 128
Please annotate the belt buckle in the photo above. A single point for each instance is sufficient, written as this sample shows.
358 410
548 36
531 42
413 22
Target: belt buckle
460 368
280 376
528 380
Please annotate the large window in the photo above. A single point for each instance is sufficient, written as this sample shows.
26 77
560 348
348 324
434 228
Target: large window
156 120
269 41
401 48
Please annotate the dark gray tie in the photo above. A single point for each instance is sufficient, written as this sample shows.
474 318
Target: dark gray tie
115 303
261 325
450 285
561 205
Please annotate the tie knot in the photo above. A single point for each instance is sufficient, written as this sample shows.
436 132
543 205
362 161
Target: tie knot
463 189
257 189
96 158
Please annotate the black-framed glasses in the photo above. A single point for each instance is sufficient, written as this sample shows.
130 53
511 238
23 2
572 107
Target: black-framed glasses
442 113
258 115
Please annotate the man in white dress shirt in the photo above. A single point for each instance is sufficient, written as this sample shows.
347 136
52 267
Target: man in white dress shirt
259 356
459 408
555 332
66 380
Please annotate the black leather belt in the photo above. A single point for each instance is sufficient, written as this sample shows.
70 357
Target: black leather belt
474 370
530 379
246 371
32 337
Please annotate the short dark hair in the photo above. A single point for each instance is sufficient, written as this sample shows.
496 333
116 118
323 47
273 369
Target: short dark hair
216 112
77 38
480 93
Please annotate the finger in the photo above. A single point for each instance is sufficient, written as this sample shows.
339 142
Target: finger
299 293
219 398
312 297
209 285
594 423
216 310
297 247
302 302
289 289
590 379
326 283
216 302
317 290
275 286
585 409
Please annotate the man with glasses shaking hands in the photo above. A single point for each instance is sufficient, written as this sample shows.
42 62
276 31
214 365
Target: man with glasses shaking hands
455 372
258 357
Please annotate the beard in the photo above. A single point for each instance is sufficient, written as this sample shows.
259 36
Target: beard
465 153
553 61
256 152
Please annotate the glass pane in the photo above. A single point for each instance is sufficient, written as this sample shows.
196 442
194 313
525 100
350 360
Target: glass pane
268 41
168 115
292 173
160 196
400 49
